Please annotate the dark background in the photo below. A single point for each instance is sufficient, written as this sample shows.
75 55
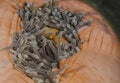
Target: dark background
110 9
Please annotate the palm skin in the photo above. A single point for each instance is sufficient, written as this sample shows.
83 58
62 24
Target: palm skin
97 62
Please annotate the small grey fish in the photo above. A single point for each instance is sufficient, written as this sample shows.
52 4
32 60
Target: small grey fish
53 49
21 11
61 69
58 43
6 48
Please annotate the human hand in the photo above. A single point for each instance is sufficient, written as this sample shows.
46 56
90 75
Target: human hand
97 62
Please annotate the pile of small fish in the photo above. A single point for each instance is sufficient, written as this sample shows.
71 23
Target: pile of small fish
49 34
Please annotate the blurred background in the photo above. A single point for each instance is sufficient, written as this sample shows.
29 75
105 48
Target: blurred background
110 9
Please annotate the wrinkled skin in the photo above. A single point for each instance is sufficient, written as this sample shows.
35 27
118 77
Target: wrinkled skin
97 62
